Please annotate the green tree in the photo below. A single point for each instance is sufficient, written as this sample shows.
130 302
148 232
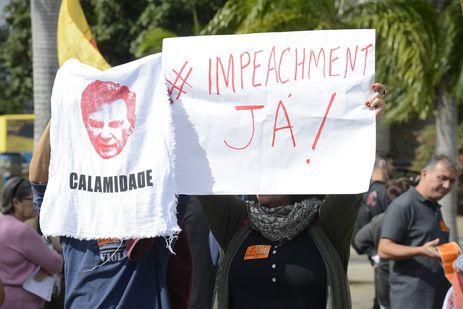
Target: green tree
124 30
423 63
161 19
245 16
15 58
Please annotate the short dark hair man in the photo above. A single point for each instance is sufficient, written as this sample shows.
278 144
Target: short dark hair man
413 227
108 113
375 200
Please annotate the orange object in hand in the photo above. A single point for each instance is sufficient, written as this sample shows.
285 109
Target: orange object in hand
448 254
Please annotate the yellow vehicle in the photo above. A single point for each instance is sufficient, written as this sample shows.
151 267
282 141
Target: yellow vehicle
16 133
16 144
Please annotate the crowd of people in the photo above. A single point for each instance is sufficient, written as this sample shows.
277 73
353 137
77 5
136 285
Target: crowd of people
276 251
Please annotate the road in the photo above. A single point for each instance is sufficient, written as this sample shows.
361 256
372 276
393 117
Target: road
360 275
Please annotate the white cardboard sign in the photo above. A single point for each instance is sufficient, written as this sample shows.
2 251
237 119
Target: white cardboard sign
272 113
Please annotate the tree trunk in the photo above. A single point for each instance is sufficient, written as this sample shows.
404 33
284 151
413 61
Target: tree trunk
447 143
44 17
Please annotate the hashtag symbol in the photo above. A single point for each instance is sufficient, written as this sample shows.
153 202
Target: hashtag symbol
180 80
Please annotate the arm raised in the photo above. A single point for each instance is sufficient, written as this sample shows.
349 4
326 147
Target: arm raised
38 168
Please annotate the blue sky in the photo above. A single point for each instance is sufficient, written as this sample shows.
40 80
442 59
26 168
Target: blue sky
2 17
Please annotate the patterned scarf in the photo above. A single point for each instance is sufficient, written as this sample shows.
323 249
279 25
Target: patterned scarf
283 223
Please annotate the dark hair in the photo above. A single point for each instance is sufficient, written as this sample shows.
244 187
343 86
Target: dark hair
396 187
381 159
14 188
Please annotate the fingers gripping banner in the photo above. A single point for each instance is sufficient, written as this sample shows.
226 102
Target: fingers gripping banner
111 171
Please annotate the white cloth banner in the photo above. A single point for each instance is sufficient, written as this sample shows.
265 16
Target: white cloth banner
111 173
273 113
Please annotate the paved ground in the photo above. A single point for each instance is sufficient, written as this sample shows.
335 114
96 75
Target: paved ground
361 295
360 275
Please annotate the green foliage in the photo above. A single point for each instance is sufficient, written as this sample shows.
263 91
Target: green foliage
162 19
418 52
123 30
450 51
417 49
405 51
15 58
245 16
150 42
426 138
114 26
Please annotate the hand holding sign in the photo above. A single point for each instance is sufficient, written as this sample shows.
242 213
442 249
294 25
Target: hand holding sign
376 101
252 109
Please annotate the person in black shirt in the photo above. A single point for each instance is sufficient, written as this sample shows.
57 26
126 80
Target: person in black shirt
375 200
284 251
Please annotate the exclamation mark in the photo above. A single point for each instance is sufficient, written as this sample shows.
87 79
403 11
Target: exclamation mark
314 145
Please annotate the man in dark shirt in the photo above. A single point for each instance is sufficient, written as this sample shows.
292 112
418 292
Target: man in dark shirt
413 227
375 199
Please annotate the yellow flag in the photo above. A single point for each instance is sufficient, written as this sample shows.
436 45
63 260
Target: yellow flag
74 38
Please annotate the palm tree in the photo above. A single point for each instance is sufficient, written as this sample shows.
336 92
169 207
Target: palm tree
44 15
449 84
420 46
418 52
246 16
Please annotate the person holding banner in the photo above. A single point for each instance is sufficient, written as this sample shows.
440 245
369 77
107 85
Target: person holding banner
112 273
22 249
285 251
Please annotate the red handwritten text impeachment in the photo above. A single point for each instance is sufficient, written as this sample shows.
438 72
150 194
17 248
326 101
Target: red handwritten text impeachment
258 68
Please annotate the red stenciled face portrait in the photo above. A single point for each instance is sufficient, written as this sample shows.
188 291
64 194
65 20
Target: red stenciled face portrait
108 113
